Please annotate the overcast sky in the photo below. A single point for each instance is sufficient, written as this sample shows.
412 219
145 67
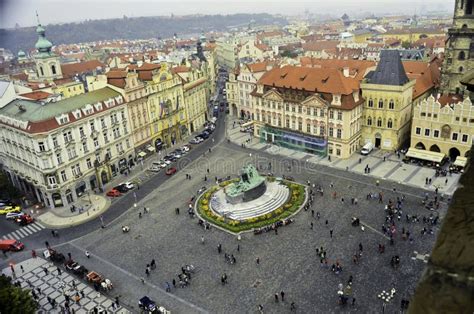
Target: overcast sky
60 11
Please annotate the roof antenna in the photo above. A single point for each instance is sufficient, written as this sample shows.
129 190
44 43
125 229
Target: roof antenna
37 17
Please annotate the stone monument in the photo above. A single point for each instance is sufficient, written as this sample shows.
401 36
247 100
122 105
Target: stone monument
250 186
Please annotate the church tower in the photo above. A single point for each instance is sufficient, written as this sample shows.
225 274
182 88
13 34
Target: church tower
459 58
47 62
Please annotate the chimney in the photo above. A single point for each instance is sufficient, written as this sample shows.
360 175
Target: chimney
345 71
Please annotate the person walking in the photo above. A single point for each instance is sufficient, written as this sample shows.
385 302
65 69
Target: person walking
153 264
88 254
276 297
282 294
59 271
330 232
257 260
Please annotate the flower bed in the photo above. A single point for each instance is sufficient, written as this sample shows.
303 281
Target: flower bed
295 200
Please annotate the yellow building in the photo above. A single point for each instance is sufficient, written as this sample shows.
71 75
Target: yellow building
69 89
166 107
445 126
388 103
412 34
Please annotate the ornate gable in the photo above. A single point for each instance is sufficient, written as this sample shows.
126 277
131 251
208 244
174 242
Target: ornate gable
272 95
315 101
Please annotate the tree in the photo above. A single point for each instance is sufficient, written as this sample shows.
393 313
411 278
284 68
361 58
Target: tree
7 189
15 300
406 45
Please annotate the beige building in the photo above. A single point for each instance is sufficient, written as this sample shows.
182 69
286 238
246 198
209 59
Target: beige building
445 126
387 112
313 110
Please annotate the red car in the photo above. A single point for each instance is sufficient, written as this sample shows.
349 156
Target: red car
113 193
170 171
24 219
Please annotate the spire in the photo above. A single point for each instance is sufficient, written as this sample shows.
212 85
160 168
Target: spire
42 44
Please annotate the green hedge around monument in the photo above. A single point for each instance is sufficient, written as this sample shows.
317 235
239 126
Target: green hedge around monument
295 200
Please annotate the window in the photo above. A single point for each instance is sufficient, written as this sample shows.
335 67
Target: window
379 122
308 128
287 123
369 121
454 137
338 151
85 148
381 104
63 176
81 132
106 139
339 133
462 55
321 112
300 126
436 133
339 115
391 104
41 146
435 115
331 132
96 142
464 138
53 69
331 114
89 163
55 141
59 158
423 114
457 118
127 141
370 103
71 153
52 180
76 170
102 122
116 132
67 136
321 130
427 132
389 123
92 126
293 108
300 109
42 74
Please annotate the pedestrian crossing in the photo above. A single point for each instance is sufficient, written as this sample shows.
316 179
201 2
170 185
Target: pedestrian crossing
24 231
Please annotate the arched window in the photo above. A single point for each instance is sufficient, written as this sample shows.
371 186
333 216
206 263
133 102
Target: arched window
389 123
379 122
380 103
461 55
391 104
369 121
461 69
41 71
53 69
370 103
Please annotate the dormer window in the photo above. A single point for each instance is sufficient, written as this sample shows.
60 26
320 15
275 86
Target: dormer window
63 119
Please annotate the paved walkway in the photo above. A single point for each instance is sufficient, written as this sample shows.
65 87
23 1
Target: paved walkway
56 286
392 168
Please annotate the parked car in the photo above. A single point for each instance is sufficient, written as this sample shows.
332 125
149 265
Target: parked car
121 188
9 209
13 216
204 135
11 245
177 154
154 168
186 148
201 190
367 148
196 140
129 185
147 304
24 219
170 157
113 193
171 171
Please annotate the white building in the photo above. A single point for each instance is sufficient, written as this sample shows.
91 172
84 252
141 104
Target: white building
58 151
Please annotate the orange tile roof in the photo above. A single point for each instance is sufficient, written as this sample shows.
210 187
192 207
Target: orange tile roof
323 80
71 69
449 99
356 67
259 66
180 69
36 95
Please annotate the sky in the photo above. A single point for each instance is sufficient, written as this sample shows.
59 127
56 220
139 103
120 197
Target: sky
63 11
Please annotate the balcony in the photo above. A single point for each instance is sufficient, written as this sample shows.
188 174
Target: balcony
52 187
78 175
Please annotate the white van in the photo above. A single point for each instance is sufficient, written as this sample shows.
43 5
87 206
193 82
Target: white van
367 148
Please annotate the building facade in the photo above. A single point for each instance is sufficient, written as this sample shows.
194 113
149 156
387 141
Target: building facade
59 151
442 128
459 58
388 96
317 111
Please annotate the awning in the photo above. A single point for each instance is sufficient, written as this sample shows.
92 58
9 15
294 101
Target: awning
460 161
150 148
141 154
425 155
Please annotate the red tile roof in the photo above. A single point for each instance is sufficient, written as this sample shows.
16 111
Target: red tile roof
320 45
71 69
180 69
449 99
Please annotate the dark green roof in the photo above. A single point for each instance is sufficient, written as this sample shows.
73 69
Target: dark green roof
35 111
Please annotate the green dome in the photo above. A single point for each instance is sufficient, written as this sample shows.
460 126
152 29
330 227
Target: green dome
21 54
40 30
43 44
